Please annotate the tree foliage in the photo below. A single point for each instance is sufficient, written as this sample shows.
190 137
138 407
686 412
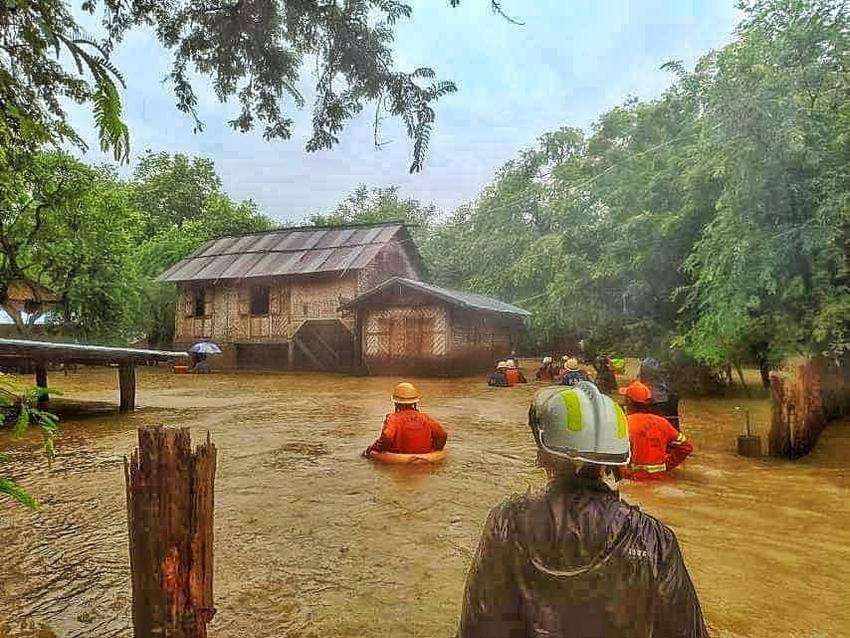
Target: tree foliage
254 52
713 218
19 408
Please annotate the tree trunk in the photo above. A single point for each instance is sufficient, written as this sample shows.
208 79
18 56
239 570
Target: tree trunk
170 500
743 382
797 415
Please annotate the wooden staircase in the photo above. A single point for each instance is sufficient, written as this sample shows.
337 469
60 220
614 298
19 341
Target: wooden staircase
324 344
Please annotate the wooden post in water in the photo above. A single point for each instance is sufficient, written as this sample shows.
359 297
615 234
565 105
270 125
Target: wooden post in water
170 516
127 386
41 381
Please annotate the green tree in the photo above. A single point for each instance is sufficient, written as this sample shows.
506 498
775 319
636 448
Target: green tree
70 228
169 190
377 205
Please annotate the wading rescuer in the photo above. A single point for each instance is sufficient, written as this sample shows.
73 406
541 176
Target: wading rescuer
574 560
657 447
572 374
407 430
497 377
547 371
513 374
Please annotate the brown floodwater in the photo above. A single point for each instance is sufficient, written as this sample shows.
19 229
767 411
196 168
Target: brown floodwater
312 540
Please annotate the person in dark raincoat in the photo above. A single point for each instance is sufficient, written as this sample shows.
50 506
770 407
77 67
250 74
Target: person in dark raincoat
497 377
605 379
575 561
665 400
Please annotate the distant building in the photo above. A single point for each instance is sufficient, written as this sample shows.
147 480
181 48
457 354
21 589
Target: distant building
406 326
23 309
271 299
339 298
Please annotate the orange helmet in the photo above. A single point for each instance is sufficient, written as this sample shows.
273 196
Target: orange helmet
405 394
637 392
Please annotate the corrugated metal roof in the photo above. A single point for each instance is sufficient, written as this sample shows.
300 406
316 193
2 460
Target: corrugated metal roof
468 300
290 251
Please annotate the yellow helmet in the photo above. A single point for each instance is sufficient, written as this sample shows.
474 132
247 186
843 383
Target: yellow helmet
405 394
501 365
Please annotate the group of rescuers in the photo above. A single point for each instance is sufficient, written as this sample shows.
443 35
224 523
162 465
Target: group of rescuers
574 560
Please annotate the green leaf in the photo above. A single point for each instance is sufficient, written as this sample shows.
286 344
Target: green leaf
22 423
17 493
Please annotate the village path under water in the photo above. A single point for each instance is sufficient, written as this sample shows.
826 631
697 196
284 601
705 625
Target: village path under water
312 540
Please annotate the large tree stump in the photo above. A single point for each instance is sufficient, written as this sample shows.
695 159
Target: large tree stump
170 517
797 415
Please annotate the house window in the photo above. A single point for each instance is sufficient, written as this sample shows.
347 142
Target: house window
260 300
200 303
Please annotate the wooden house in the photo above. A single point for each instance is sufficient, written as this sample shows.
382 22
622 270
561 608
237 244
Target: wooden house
406 326
272 299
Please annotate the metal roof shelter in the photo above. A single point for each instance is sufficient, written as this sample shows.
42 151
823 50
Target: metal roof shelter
289 251
40 353
466 300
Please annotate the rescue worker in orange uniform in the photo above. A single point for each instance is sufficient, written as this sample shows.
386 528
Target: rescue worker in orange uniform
407 430
657 447
513 374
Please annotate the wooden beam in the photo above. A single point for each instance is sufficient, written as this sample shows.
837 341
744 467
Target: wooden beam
170 508
127 386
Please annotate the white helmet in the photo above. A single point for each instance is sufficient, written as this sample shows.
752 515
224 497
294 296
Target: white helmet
547 360
581 424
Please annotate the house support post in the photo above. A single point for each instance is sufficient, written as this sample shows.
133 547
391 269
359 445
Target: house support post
127 386
170 506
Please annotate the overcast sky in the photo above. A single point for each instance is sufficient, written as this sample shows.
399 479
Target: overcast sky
571 61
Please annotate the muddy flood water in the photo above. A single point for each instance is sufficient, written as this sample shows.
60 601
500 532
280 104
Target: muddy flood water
311 540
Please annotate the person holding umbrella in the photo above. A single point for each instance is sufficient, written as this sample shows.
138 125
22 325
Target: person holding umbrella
199 353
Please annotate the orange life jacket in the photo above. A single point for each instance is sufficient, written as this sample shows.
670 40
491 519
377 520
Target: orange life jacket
657 447
413 432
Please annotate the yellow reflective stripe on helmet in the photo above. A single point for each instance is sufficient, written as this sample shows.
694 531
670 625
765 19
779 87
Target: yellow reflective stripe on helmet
572 405
652 469
679 439
622 427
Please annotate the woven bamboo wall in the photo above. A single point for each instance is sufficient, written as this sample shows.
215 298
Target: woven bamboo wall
397 333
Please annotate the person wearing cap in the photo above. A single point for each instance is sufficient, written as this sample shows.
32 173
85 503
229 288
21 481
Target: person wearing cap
497 377
407 430
572 374
574 560
547 370
513 374
657 447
